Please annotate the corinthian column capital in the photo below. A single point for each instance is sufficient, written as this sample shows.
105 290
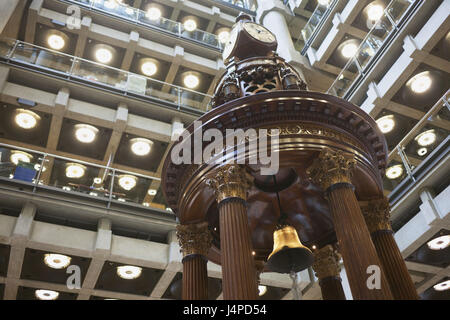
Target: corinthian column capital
230 181
377 215
194 239
331 167
326 262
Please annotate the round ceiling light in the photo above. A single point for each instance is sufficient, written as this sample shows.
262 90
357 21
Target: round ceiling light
262 290
442 286
421 82
46 294
153 13
127 181
439 243
422 151
17 156
386 123
85 133
191 81
75 170
140 146
149 68
190 25
103 55
426 138
349 50
223 35
97 180
129 272
151 192
394 172
56 41
57 261
375 11
26 119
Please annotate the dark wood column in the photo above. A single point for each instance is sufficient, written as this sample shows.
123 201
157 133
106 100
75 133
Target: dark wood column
195 241
230 184
327 269
377 215
332 170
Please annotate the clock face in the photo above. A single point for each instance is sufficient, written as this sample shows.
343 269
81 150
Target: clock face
259 32
230 43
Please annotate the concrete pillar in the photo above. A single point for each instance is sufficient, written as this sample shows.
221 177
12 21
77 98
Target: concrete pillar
7 8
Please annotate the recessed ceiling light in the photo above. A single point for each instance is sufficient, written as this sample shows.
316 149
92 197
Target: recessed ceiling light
149 68
439 243
97 180
129 272
349 50
426 138
375 11
151 192
37 167
57 261
26 119
386 123
394 172
66 188
190 25
46 294
75 170
442 286
121 200
17 156
56 42
262 290
146 204
422 151
421 82
223 36
127 181
103 55
153 13
94 194
85 133
314 247
191 81
140 146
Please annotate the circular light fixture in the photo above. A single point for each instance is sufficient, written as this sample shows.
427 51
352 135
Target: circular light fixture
262 290
422 151
394 172
375 11
75 170
153 13
46 294
439 243
146 204
66 188
57 261
426 138
420 83
129 272
37 167
103 53
97 180
26 119
140 146
190 25
386 123
223 35
151 192
349 50
127 181
149 67
442 286
191 80
56 42
85 133
17 156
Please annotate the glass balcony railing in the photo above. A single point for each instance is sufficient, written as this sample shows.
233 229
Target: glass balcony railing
406 161
104 184
75 68
140 17
376 38
245 4
315 21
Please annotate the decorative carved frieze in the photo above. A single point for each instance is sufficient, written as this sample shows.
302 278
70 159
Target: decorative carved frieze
326 262
194 238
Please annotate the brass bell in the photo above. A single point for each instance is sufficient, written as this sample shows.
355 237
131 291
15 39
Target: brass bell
289 254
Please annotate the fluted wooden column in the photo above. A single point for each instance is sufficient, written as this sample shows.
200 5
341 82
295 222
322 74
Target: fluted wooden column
327 269
195 241
230 184
377 216
332 170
